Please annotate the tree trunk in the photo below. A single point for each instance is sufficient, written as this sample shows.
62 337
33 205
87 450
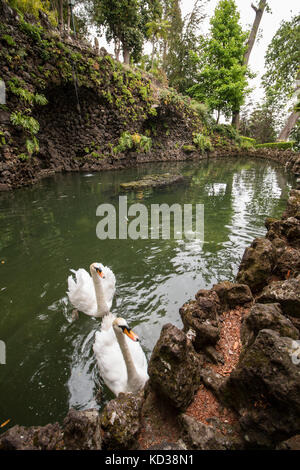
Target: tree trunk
68 19
61 15
126 55
153 53
250 43
218 116
235 119
252 36
117 49
285 132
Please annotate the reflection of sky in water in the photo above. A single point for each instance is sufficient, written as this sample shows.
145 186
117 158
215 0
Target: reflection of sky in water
50 228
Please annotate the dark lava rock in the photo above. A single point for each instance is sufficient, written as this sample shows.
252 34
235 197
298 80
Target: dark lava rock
257 264
164 445
265 389
120 421
209 303
231 294
293 205
212 380
288 229
49 437
174 367
290 444
288 262
213 436
286 293
82 430
265 316
201 323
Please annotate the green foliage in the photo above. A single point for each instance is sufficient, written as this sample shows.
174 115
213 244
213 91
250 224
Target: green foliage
202 111
227 131
189 148
221 81
247 139
25 95
32 30
33 7
182 44
282 61
202 142
28 123
40 99
22 93
23 156
260 123
145 143
32 146
8 39
277 145
295 136
127 141
124 21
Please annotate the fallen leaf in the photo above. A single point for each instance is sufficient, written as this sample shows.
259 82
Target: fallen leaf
5 423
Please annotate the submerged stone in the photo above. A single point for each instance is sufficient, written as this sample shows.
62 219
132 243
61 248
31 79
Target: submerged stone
153 181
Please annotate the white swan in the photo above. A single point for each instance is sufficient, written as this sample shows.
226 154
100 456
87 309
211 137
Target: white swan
122 362
82 291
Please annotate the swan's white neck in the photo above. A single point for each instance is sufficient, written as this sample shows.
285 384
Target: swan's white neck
134 380
102 308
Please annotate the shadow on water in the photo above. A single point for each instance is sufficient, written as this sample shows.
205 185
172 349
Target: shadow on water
51 227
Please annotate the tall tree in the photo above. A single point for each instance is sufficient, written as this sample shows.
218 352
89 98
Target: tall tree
259 10
179 64
260 123
222 81
282 61
124 21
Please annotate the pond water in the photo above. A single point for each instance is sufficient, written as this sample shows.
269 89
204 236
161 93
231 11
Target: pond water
51 227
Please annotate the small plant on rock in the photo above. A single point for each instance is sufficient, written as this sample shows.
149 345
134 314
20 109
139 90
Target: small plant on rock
202 142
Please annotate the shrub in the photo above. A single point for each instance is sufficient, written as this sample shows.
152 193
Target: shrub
201 110
9 40
277 145
227 131
32 30
33 7
202 142
32 146
28 123
248 139
129 141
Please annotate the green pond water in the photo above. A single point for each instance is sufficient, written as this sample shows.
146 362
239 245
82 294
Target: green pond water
51 227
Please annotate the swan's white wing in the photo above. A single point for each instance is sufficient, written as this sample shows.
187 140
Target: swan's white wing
81 292
139 358
110 360
109 285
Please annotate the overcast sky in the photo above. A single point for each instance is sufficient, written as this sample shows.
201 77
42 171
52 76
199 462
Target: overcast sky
281 10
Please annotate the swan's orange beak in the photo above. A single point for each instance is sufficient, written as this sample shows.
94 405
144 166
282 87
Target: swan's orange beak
131 334
100 272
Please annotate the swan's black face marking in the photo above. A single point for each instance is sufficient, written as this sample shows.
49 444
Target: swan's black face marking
100 272
128 332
